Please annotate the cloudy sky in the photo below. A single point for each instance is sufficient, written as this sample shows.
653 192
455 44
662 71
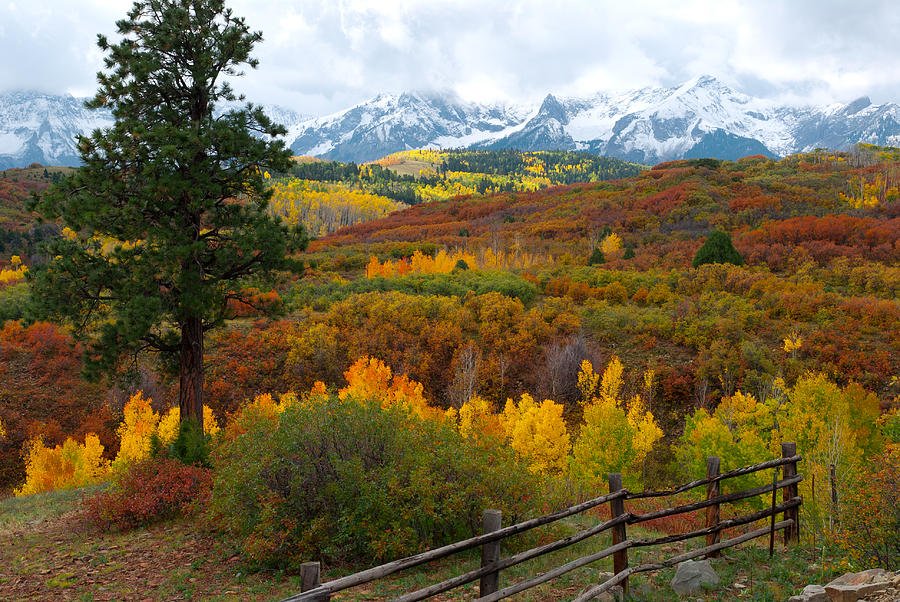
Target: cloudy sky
320 56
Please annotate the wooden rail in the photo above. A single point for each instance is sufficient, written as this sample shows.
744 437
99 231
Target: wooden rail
492 562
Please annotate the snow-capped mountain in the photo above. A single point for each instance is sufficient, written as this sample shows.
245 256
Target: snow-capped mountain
41 128
700 118
387 124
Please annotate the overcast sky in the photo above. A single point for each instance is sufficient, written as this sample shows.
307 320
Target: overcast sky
319 56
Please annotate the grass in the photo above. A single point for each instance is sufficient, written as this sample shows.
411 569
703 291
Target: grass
412 167
42 555
19 512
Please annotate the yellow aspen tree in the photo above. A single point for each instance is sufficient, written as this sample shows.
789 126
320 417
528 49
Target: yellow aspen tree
169 423
611 383
792 344
739 432
476 420
537 433
613 439
371 379
135 431
831 426
587 381
611 245
374 268
65 466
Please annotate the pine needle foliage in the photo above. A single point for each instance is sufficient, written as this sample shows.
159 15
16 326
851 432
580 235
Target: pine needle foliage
718 248
168 213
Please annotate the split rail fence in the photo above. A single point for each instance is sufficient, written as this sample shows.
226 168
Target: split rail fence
492 563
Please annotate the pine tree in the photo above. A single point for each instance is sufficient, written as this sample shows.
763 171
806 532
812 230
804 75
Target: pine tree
596 257
718 248
170 205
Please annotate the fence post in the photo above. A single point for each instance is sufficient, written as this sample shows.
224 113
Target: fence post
490 552
792 532
309 580
617 508
309 576
713 466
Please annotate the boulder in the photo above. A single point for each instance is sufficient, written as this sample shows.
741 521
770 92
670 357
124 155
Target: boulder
811 593
853 586
862 577
691 576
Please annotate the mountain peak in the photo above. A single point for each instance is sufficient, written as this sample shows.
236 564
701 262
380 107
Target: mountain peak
857 105
702 116
705 82
551 108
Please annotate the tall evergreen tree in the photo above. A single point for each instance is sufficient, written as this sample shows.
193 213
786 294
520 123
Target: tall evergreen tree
168 212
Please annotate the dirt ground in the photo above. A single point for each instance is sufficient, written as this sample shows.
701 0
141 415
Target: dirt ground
57 559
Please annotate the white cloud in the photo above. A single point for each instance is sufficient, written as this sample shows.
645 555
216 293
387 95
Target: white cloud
323 55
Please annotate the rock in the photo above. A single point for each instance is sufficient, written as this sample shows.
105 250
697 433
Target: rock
811 593
852 593
862 577
692 576
853 586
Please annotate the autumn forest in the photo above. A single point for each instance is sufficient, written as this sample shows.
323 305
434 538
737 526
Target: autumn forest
300 359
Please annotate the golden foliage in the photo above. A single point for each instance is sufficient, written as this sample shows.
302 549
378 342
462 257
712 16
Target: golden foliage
792 343
587 381
475 420
537 433
65 466
611 246
370 378
614 437
15 272
322 208
611 384
169 423
141 423
135 431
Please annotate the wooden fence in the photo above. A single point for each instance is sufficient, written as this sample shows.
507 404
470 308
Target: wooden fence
492 563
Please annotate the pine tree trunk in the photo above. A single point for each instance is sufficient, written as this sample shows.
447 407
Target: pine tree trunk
190 391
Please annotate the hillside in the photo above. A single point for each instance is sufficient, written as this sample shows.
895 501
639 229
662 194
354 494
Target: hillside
519 331
19 234
817 232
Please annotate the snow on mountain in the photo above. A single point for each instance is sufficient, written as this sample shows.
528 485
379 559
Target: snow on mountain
703 117
387 124
41 128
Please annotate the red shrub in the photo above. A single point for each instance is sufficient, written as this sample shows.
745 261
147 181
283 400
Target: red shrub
149 491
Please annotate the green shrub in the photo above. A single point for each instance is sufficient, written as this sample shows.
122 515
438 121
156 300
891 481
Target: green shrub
190 447
13 301
718 248
870 527
353 481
